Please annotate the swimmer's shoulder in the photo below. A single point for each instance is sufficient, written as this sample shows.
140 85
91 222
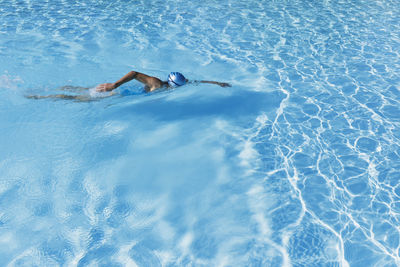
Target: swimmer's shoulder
154 83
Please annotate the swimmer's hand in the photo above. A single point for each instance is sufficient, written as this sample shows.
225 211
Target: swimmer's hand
224 85
105 87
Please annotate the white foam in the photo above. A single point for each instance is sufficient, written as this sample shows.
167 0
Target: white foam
96 94
258 205
185 243
123 256
110 128
9 82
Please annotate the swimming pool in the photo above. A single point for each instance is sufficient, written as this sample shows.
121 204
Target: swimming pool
296 164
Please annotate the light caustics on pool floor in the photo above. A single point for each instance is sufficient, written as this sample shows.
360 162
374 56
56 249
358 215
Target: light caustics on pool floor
296 165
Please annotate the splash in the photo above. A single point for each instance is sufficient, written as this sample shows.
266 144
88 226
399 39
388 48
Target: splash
7 81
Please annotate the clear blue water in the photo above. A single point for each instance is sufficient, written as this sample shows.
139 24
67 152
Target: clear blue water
297 164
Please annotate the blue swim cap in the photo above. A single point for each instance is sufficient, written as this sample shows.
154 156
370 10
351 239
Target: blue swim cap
176 79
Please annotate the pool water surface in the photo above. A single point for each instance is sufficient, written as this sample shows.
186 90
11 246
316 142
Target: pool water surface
296 164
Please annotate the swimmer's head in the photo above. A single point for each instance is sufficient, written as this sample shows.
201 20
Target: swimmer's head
176 79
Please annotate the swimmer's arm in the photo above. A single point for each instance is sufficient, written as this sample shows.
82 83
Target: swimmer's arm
150 82
214 82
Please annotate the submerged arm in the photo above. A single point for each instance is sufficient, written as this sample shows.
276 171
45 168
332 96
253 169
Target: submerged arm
150 82
217 83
